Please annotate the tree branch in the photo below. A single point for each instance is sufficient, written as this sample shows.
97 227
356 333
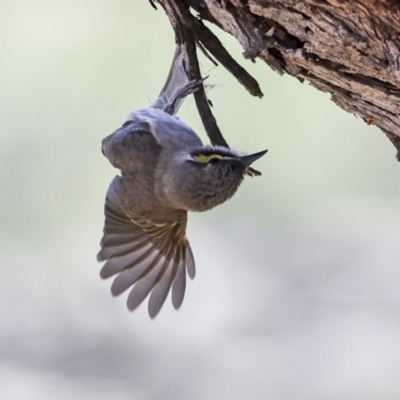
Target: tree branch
350 49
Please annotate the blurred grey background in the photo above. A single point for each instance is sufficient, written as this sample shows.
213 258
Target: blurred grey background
297 292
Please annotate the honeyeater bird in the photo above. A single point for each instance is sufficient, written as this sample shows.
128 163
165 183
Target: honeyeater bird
166 171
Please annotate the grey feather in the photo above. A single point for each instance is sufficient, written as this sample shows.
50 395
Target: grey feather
179 286
116 239
143 286
117 264
128 277
190 264
161 290
123 248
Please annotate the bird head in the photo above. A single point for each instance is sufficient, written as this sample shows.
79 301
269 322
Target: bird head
205 177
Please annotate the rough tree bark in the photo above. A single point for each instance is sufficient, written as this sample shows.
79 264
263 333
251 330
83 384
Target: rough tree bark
349 48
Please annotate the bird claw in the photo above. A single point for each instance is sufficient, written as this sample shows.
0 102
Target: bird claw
191 87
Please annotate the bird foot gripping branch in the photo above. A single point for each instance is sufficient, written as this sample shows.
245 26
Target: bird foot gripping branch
166 171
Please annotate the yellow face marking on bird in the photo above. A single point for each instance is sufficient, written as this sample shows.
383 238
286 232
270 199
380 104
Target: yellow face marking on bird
206 158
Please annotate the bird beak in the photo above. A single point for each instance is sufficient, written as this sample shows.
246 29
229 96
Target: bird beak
248 160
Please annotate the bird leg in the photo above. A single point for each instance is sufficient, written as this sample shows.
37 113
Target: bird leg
190 88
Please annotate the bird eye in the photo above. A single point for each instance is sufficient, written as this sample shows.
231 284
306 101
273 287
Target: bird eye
207 158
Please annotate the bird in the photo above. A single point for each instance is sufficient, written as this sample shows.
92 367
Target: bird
165 172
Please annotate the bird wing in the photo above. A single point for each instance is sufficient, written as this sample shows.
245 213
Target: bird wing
150 257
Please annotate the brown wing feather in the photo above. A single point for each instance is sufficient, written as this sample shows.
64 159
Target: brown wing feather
150 257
